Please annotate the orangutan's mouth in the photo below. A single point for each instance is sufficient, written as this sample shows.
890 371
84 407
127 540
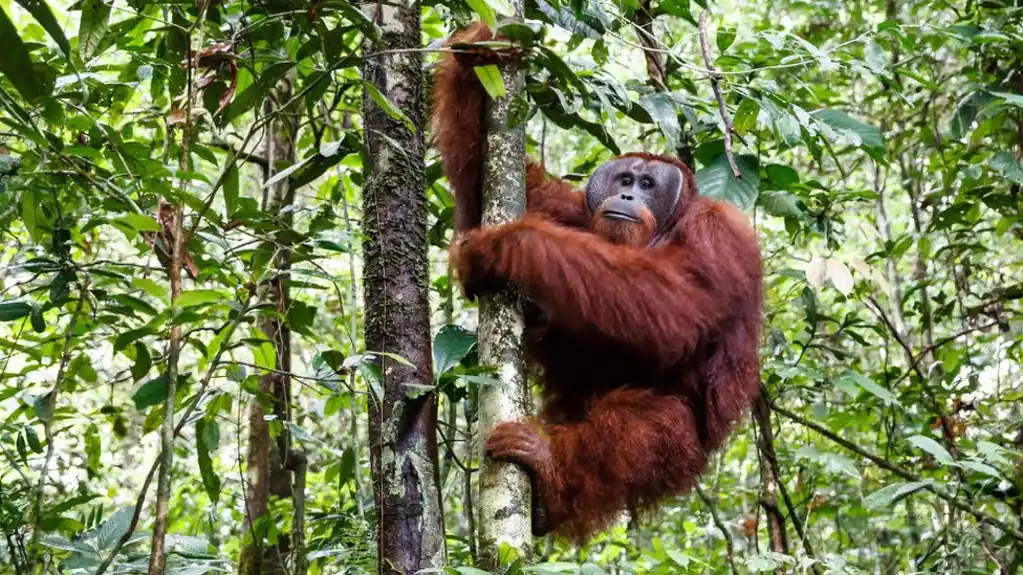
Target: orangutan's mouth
616 215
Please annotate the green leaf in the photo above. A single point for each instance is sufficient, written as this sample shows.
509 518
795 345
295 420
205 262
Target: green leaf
501 7
40 10
301 317
450 346
388 107
1008 167
139 222
110 531
15 63
151 287
143 361
864 382
746 115
198 297
93 27
263 351
993 452
889 495
833 462
782 176
33 439
679 8
485 11
210 480
13 310
932 447
662 109
38 323
979 467
716 180
286 172
1015 100
725 37
780 204
867 136
152 392
347 469
93 449
490 77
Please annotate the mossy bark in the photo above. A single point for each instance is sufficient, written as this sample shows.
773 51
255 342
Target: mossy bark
402 417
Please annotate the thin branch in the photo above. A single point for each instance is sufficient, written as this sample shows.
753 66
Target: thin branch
720 525
715 79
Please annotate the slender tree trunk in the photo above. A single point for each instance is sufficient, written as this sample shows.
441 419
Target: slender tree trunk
768 478
504 502
170 217
270 462
402 415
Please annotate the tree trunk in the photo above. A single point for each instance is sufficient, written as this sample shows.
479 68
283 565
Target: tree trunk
504 502
402 415
270 463
768 478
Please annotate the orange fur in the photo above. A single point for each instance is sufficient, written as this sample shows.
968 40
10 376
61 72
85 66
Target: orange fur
623 232
648 348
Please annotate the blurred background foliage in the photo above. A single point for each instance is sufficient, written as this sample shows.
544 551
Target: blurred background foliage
879 144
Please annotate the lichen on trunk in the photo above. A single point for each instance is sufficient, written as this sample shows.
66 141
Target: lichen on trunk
504 503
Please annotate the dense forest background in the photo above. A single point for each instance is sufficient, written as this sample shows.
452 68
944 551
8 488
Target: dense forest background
879 144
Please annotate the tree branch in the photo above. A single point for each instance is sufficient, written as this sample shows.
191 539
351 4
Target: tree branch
729 545
715 78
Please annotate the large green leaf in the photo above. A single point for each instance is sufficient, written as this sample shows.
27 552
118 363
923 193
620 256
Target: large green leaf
151 393
451 345
932 447
490 77
40 10
93 27
13 310
716 180
662 109
485 12
1008 167
14 61
866 135
388 107
888 495
198 297
850 380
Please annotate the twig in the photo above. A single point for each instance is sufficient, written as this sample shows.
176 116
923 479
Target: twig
715 78
903 473
720 525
